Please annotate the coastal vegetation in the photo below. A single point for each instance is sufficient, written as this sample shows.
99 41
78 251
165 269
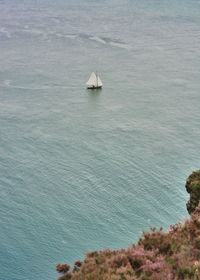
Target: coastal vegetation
158 255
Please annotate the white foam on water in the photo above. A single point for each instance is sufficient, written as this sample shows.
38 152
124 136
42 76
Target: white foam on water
97 39
7 83
119 45
5 32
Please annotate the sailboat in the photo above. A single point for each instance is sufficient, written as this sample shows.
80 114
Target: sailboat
94 81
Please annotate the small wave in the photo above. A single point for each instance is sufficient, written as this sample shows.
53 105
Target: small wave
7 83
105 41
5 32
46 35
60 35
36 32
179 81
119 45
97 39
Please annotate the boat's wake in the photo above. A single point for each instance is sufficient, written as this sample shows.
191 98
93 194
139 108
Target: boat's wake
7 83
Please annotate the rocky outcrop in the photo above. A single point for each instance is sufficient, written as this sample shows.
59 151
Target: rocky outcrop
193 188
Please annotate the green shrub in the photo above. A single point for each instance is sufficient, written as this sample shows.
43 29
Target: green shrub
184 272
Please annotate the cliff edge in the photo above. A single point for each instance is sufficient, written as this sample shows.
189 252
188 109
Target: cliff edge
171 255
193 188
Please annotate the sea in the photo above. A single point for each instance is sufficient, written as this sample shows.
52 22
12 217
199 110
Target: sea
84 170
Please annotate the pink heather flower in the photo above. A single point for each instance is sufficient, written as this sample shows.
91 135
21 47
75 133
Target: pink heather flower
141 253
119 260
107 250
151 267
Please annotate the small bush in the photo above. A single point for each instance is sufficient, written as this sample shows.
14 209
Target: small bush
184 272
92 254
66 276
118 261
135 263
63 268
150 267
197 187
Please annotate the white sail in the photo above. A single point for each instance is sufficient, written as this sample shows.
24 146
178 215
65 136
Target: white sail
94 81
99 82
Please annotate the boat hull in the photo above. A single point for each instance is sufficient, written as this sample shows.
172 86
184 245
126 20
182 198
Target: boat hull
94 87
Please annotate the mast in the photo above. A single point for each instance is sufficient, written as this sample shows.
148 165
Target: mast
97 78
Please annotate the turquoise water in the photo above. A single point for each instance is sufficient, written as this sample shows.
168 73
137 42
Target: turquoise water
83 170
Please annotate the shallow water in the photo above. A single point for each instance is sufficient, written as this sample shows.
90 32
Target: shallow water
83 170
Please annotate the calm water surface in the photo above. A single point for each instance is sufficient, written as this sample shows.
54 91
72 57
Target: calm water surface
83 170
